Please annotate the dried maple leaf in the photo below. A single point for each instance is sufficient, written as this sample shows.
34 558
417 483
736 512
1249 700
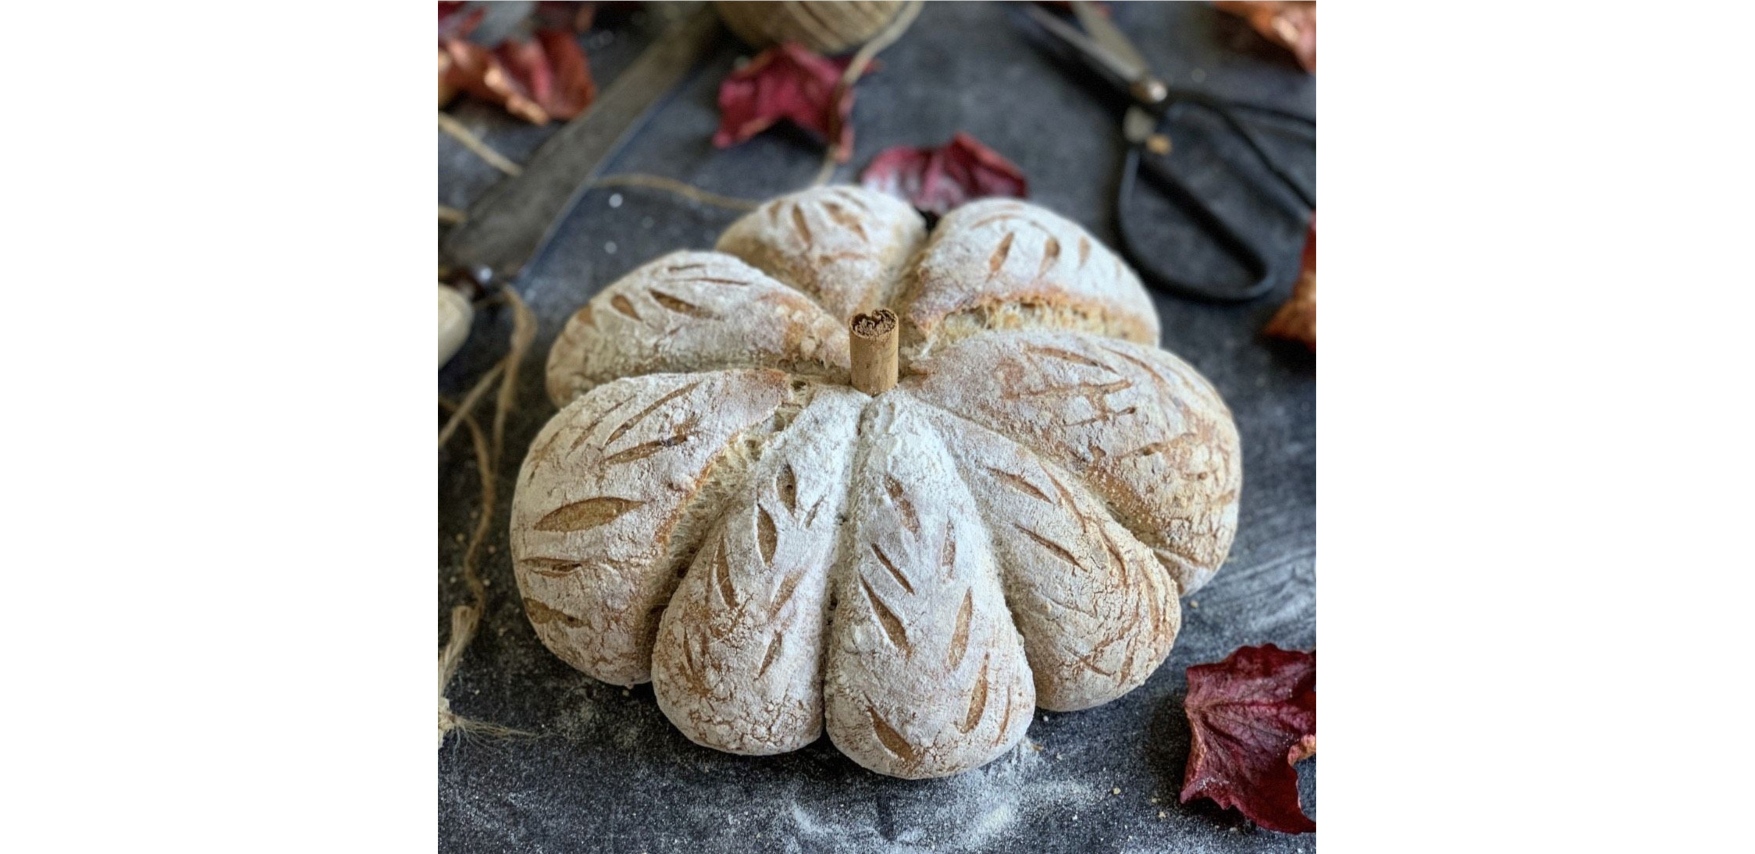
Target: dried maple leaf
1296 318
1291 25
1253 716
787 81
935 180
539 79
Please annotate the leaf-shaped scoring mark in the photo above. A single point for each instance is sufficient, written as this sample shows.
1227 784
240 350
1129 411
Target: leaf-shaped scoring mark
784 595
846 220
1019 482
692 668
1050 254
552 567
890 738
977 699
681 306
887 619
641 415
960 637
1005 720
769 657
899 497
542 615
1059 550
798 221
721 575
683 433
767 536
621 303
890 565
997 259
587 514
786 486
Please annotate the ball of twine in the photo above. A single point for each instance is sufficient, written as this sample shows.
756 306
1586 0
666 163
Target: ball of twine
825 27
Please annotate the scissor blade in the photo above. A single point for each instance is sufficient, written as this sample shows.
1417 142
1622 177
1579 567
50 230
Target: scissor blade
1092 51
1111 40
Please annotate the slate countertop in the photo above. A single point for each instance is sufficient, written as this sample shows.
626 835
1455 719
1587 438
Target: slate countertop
608 772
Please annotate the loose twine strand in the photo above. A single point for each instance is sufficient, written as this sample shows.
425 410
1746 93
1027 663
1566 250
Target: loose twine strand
861 61
474 143
466 619
480 148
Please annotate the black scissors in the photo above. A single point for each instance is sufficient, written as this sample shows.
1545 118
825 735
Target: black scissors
1154 104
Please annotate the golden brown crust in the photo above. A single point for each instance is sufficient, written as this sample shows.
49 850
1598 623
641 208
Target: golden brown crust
738 664
1004 264
926 675
1145 431
1098 613
693 311
844 246
600 518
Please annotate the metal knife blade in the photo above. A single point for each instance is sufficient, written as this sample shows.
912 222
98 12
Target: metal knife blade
514 219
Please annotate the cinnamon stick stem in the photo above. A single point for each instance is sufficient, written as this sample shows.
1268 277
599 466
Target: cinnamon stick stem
873 338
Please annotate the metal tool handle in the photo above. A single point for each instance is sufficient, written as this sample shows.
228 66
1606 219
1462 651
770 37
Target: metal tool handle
1189 203
1225 110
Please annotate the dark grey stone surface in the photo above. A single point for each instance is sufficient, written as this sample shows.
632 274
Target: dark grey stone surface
608 772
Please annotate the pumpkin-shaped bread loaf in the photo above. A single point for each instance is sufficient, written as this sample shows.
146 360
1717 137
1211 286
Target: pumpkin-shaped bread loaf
718 509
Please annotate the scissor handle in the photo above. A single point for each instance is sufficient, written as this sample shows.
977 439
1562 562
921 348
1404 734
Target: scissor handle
1191 204
1225 111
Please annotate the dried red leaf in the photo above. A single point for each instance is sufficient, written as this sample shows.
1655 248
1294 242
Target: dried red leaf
538 79
1291 25
1253 716
1296 318
935 180
787 81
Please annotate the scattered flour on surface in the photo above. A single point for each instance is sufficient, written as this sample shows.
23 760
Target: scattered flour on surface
962 813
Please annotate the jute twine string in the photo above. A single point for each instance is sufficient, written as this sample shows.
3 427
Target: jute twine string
861 61
457 131
523 333
479 146
466 619
476 392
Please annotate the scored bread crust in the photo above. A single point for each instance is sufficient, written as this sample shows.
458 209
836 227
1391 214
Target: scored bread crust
1141 427
1003 264
843 245
715 510
693 311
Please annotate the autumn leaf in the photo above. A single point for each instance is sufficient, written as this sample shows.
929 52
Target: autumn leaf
1296 319
1291 25
539 79
790 82
1253 717
935 180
